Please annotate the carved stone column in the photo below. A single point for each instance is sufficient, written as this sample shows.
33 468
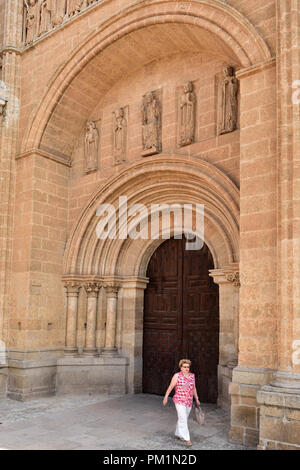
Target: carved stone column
92 290
228 281
111 319
73 289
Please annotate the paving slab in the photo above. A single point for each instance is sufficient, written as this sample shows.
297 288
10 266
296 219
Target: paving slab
130 422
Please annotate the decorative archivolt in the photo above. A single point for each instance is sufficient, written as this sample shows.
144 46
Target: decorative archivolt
223 27
157 180
41 16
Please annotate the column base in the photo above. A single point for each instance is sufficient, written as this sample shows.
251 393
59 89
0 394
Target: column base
3 381
224 380
280 413
90 352
109 352
246 382
71 351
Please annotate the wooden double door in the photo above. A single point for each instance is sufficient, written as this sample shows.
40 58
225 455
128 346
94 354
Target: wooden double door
181 318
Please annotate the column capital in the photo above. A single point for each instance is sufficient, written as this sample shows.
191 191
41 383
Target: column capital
228 275
73 287
111 288
92 288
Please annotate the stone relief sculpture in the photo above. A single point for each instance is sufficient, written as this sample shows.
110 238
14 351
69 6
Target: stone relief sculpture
40 16
46 9
31 21
91 147
229 101
74 6
186 126
151 125
119 135
59 12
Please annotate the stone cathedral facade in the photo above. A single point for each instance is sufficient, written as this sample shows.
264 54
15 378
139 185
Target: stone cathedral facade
164 102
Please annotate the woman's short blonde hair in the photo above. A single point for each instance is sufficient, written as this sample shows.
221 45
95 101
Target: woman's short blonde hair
184 361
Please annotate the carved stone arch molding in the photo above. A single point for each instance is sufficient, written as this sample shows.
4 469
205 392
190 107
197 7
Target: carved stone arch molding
161 179
120 266
223 29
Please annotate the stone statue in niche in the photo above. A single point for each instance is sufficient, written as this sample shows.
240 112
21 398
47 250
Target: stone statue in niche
91 147
31 20
74 6
229 100
120 135
151 125
187 115
46 9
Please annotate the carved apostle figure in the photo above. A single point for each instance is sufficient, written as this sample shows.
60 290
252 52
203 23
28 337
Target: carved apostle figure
229 100
31 20
59 12
46 8
91 147
150 125
187 115
74 6
120 135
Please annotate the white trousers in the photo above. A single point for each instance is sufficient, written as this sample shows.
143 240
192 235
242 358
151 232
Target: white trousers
182 429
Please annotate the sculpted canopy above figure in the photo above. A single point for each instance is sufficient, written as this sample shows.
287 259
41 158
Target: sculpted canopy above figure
40 16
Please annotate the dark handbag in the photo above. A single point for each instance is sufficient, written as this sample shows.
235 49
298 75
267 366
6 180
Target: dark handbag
199 415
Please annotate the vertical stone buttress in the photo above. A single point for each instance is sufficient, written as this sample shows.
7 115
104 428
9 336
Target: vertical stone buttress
10 91
280 401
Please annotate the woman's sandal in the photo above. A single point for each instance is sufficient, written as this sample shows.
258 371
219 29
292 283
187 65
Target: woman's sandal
188 443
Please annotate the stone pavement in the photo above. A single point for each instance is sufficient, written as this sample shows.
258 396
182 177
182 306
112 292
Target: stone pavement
107 422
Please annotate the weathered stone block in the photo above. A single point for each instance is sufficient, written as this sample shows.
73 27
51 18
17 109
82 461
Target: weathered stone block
243 416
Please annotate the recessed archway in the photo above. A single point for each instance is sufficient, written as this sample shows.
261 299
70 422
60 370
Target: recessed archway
158 179
114 49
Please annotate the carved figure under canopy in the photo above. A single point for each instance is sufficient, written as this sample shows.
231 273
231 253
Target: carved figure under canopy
151 124
31 20
187 115
59 12
91 147
46 10
229 100
74 6
120 135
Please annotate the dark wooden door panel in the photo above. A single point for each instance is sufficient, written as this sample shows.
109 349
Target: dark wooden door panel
181 318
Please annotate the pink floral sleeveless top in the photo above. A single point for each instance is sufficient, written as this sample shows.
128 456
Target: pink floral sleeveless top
184 390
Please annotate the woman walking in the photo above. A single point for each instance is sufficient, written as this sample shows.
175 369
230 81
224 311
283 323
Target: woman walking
185 389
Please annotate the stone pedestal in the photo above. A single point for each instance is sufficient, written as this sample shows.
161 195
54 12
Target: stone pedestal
224 380
246 382
280 413
29 380
92 375
3 381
